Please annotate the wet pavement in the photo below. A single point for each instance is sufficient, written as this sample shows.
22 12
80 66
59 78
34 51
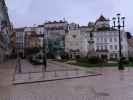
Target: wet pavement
54 71
112 85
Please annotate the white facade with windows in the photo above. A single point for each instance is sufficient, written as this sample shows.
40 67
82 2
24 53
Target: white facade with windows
20 36
98 37
108 43
76 43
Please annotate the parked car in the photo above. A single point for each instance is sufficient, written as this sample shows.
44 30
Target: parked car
37 58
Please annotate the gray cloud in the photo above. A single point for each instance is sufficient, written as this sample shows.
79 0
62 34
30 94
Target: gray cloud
29 12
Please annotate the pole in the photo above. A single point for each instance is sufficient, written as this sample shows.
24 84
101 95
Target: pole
120 63
120 67
44 54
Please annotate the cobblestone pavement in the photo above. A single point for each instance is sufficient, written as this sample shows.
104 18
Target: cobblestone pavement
112 85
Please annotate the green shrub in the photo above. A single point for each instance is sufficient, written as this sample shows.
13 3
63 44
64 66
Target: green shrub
124 60
91 60
131 59
94 60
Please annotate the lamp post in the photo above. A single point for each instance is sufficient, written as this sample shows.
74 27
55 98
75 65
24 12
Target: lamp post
45 53
120 20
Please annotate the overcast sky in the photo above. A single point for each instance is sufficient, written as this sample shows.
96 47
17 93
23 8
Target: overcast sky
29 12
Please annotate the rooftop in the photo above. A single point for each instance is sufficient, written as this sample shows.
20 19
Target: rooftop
19 29
55 22
101 18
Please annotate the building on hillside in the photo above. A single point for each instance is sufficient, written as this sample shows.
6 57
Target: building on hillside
56 32
5 32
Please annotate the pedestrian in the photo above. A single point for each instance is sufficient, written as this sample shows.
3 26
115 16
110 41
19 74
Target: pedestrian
19 65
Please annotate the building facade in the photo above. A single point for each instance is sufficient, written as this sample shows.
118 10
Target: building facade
130 47
96 39
31 38
28 38
107 44
20 40
76 44
56 32
5 32
106 40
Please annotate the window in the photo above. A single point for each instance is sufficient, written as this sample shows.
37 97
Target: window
97 39
115 39
106 48
101 39
74 36
111 47
101 47
105 39
116 56
115 47
110 39
97 47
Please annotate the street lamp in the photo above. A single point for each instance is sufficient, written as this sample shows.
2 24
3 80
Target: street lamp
118 19
45 53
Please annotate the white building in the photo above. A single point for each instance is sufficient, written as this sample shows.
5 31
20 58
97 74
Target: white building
76 44
98 37
106 40
107 44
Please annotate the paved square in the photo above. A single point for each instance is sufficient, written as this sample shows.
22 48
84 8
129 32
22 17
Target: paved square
112 85
55 71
